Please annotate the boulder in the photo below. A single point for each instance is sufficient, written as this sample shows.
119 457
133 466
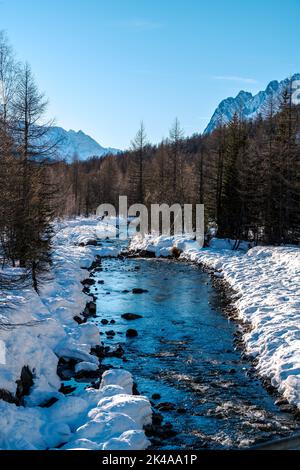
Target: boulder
138 290
91 242
131 316
156 396
110 333
25 383
175 252
79 320
131 333
90 309
166 406
88 282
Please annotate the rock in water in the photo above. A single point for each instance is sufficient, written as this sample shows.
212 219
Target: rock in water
90 309
110 333
138 290
131 333
166 406
156 396
131 316
88 282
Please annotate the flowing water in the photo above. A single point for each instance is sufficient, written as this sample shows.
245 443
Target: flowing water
185 355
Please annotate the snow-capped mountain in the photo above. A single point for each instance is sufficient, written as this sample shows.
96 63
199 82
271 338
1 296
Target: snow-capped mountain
246 104
70 144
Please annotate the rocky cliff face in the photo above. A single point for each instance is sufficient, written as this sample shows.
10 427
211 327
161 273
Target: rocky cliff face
246 104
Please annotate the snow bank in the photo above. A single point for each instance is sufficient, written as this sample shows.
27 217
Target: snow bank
267 285
47 331
117 418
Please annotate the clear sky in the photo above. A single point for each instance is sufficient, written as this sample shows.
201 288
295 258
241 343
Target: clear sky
107 64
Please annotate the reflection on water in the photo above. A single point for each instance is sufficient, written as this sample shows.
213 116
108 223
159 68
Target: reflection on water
185 352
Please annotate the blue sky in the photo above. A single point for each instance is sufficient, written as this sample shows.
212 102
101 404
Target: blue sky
107 64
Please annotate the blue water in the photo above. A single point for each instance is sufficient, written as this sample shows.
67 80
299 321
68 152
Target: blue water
185 351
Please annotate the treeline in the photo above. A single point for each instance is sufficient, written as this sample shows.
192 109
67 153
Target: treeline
26 194
246 173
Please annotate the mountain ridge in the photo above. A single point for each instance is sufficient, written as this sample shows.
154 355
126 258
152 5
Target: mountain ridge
247 104
76 144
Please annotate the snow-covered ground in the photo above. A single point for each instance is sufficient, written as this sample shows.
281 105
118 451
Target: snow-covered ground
267 285
108 418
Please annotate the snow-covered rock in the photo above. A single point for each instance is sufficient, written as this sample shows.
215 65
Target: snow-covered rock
104 425
136 407
117 377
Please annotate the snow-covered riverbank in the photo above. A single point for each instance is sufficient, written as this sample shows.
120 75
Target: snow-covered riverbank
108 418
267 285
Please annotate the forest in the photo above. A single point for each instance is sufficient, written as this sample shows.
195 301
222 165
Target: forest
246 173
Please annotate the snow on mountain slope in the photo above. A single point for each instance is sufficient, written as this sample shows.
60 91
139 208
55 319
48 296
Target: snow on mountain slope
246 104
72 144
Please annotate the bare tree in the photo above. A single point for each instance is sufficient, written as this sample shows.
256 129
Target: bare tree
8 72
8 168
176 135
139 146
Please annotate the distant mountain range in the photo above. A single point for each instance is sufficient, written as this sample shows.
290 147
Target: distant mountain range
72 144
246 104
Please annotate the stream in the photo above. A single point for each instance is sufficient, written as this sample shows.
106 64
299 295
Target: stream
184 358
